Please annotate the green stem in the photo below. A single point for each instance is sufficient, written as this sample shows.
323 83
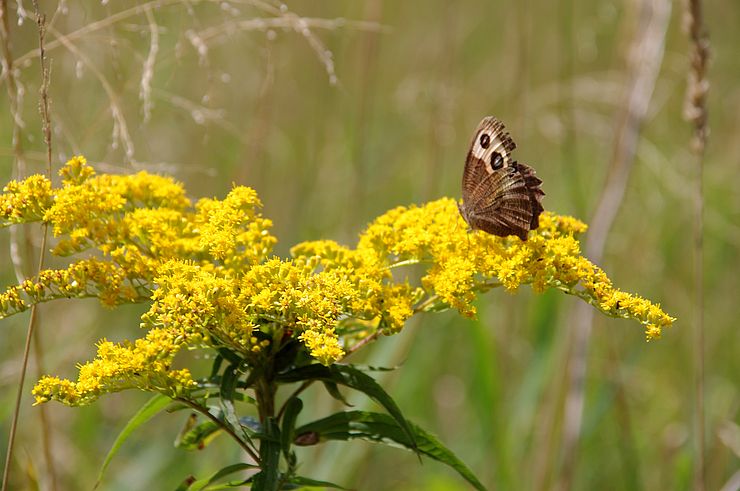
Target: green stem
204 411
264 391
426 303
406 262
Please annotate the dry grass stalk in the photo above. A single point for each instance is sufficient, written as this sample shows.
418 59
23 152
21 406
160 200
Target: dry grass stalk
645 60
44 109
695 111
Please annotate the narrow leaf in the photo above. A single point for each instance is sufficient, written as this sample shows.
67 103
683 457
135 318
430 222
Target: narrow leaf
229 380
381 428
216 367
221 473
150 409
333 391
298 482
229 356
292 409
229 383
351 377
199 436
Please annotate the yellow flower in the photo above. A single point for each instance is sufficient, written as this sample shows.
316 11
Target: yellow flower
199 305
145 365
397 305
25 201
205 270
461 264
76 171
232 230
323 344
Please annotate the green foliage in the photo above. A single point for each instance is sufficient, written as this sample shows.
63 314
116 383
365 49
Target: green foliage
154 406
381 428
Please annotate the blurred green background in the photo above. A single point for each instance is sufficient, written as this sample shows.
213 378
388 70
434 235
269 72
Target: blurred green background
337 111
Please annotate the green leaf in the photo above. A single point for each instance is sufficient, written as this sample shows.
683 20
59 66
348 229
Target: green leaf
267 478
150 409
372 368
229 356
287 354
221 473
216 367
230 485
298 482
292 408
351 377
381 428
229 380
211 388
229 383
333 391
199 436
254 374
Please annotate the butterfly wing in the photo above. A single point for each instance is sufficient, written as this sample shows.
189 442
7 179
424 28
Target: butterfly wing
534 191
480 159
500 204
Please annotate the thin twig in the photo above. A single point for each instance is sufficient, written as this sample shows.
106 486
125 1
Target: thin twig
369 339
405 262
257 136
317 23
9 73
200 114
120 127
44 108
695 111
15 97
221 424
645 59
426 303
97 26
147 73
301 25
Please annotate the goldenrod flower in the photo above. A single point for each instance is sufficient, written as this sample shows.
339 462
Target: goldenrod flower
206 271
144 364
25 201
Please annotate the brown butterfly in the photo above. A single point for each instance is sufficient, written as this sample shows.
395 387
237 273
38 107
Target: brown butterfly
500 196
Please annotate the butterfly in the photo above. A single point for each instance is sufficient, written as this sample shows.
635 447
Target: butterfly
499 195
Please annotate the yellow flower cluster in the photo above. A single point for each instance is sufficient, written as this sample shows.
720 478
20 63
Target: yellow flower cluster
25 201
232 230
90 277
200 305
144 364
463 263
206 270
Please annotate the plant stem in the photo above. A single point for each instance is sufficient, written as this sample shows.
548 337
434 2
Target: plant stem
265 395
695 110
204 411
647 52
30 333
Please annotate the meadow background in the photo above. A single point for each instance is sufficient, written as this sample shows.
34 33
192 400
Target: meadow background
337 111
